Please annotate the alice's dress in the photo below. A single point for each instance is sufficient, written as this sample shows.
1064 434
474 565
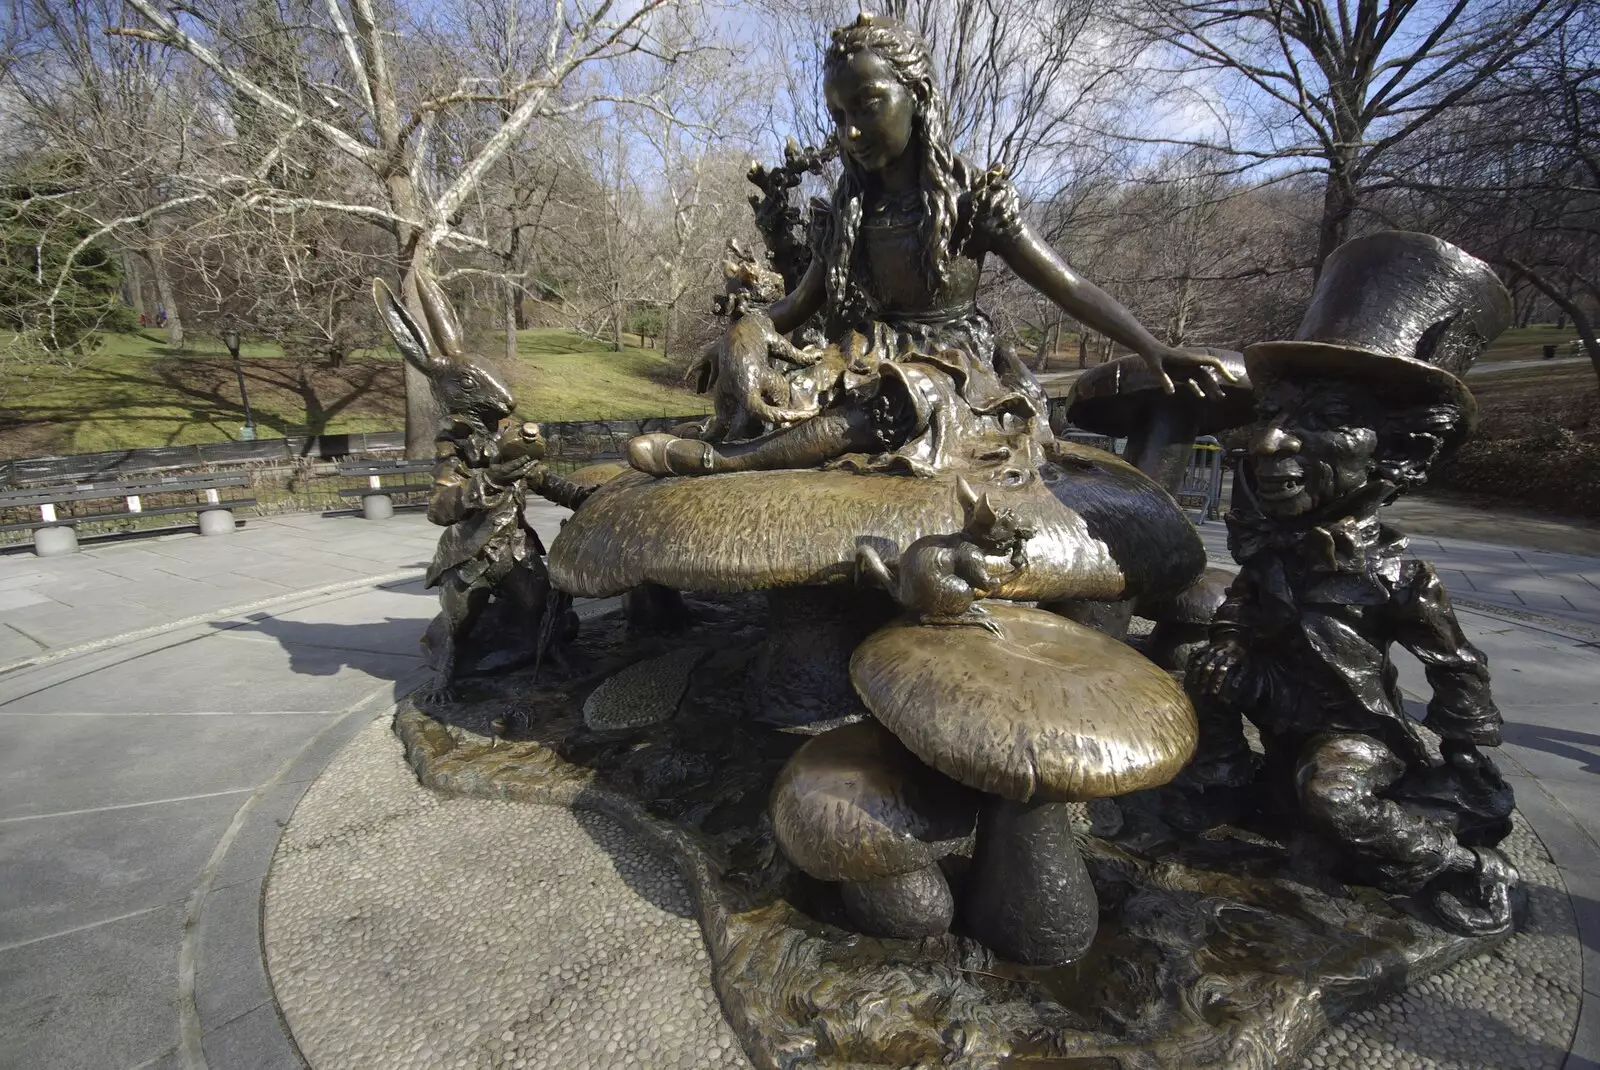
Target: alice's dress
922 355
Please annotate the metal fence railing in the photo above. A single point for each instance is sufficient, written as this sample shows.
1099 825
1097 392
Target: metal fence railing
1199 492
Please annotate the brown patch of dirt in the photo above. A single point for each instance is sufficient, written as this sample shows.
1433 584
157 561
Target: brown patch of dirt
1539 443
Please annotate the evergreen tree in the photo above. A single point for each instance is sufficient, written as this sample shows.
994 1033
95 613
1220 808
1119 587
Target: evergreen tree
39 231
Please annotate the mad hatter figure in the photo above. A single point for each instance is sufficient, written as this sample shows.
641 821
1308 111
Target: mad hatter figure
1353 411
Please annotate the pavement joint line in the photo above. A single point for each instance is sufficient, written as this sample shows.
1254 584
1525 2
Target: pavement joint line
190 1033
42 647
383 579
84 927
124 806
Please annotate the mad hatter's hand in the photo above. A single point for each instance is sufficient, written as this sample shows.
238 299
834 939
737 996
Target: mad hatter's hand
1214 667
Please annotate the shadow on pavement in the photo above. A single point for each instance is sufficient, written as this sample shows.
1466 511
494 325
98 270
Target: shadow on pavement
387 649
1562 742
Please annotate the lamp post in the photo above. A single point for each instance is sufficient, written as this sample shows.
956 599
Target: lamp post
230 338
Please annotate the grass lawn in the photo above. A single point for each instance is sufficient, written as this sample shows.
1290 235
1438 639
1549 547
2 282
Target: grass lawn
1527 343
134 392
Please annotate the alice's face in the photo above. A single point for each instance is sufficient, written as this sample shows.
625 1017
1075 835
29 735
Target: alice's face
871 111
1311 445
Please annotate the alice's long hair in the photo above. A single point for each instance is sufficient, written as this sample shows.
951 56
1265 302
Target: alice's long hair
903 50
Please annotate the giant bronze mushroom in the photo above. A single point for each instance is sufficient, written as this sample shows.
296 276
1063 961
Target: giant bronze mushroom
1124 399
1036 711
1099 529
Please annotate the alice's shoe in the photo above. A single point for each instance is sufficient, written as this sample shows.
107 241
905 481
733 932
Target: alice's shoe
1479 904
661 454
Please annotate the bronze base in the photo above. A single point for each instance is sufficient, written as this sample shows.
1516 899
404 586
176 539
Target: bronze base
1216 954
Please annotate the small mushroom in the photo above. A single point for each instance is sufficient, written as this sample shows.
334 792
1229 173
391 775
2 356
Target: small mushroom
853 805
1037 711
1123 399
1040 708
1183 620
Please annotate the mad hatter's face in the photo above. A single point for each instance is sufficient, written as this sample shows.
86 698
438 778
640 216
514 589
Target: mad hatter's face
1313 444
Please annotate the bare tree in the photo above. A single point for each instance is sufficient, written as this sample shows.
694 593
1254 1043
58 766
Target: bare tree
1516 178
345 90
1332 87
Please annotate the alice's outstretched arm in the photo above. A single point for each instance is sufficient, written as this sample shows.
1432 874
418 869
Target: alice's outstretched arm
1041 267
803 302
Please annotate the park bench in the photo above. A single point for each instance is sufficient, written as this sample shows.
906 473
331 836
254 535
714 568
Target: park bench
55 534
377 497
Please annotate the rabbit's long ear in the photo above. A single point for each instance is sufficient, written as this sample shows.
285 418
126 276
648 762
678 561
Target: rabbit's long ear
441 318
411 340
966 497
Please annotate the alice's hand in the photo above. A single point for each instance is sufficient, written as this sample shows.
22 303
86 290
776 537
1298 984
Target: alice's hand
1213 666
1201 371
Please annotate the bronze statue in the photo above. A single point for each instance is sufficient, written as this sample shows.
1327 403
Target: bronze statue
905 887
778 219
899 255
488 549
1351 412
940 578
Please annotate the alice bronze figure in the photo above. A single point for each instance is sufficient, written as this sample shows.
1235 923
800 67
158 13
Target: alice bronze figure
913 377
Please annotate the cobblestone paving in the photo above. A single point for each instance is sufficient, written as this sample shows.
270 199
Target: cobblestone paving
408 930
1515 1008
405 929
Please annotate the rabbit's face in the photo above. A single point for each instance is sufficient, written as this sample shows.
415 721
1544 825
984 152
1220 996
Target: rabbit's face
470 391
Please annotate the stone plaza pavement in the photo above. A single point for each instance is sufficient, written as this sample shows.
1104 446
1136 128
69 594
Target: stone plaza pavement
167 702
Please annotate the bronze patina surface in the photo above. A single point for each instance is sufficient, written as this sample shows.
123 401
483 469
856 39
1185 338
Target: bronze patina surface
1351 412
1037 709
488 550
1101 530
854 804
1213 954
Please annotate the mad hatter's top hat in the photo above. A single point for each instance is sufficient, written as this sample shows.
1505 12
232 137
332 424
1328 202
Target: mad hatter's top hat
1405 311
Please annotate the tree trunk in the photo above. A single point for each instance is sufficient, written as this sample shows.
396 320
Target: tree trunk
511 325
1338 205
169 299
1083 347
422 412
135 283
617 316
1580 319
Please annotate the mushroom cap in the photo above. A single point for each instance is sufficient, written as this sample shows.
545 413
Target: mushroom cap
1102 530
853 804
1195 604
1042 709
1112 398
599 472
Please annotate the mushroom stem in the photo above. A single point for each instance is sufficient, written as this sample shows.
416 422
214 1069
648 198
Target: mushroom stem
1029 898
654 608
907 907
1159 447
802 673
